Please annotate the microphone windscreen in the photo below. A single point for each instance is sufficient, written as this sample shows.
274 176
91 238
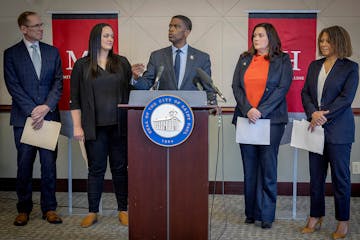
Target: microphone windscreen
203 75
196 80
160 70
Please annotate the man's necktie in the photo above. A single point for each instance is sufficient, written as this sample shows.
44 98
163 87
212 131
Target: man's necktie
36 60
177 65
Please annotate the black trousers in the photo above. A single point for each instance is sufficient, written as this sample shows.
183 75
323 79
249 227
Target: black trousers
108 144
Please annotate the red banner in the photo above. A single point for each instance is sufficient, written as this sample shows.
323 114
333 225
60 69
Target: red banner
297 32
71 36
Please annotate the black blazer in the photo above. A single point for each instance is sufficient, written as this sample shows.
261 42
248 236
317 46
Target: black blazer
82 95
337 96
273 102
26 89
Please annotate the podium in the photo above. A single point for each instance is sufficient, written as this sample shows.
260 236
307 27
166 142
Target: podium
168 186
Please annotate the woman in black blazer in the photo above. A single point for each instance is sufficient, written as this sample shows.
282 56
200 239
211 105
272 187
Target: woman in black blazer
327 96
99 82
261 80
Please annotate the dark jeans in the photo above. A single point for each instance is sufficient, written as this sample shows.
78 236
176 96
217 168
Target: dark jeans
108 143
338 155
26 155
260 176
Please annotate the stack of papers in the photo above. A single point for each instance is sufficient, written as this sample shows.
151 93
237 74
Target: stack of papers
253 133
303 138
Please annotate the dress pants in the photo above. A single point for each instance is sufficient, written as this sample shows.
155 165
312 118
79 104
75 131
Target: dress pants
338 155
108 143
26 155
260 176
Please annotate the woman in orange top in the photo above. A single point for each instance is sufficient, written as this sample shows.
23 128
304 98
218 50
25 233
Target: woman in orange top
262 78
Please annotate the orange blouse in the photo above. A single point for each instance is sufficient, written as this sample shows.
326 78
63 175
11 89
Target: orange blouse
255 79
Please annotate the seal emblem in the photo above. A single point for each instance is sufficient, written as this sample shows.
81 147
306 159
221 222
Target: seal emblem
167 120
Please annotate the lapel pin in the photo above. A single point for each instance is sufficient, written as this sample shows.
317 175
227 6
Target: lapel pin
192 57
244 63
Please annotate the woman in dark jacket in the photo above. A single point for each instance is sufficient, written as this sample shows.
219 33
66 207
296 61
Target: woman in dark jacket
99 82
262 78
327 96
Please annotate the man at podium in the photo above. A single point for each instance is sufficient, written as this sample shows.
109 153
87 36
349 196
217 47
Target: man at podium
174 67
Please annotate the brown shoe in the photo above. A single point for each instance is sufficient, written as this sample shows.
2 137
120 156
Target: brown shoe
124 218
52 217
312 225
89 220
21 219
341 230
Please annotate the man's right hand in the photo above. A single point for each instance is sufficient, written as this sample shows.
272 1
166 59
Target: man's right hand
137 70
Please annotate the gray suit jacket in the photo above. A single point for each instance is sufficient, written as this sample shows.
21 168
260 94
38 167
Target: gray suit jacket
163 57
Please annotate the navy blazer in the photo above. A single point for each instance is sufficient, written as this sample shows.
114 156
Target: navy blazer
273 102
26 89
337 96
164 57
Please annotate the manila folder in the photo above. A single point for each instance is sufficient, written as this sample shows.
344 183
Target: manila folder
45 137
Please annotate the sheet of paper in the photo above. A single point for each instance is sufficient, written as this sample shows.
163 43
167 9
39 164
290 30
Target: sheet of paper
83 152
250 133
45 137
302 138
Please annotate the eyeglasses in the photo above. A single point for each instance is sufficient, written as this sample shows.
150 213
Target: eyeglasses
39 25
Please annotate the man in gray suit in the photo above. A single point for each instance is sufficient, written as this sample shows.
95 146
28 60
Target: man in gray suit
33 77
179 63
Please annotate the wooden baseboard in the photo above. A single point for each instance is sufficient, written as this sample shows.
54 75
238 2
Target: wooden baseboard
284 188
236 188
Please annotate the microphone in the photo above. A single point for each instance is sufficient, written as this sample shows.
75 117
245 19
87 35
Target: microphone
207 79
197 83
157 78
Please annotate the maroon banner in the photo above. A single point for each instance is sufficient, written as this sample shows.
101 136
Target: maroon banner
297 32
71 36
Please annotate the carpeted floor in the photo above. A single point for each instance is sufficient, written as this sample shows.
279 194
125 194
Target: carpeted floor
226 220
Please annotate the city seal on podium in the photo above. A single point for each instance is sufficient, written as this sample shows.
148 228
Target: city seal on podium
167 120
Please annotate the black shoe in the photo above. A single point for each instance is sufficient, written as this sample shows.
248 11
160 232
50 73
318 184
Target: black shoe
249 220
266 225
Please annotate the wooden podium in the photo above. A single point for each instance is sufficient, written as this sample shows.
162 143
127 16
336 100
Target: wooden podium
168 186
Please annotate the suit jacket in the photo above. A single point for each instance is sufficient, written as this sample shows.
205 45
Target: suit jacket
82 95
273 102
337 96
164 57
26 89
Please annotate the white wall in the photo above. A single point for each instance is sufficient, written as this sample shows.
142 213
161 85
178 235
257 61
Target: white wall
219 28
231 160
